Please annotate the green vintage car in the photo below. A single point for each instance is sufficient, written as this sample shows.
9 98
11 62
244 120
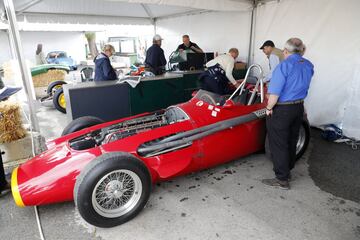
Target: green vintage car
46 67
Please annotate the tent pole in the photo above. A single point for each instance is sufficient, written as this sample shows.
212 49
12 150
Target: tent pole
154 24
252 34
25 73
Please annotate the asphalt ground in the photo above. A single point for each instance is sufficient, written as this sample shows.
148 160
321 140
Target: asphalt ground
335 167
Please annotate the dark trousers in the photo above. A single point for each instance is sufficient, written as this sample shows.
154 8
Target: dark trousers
283 131
214 83
3 181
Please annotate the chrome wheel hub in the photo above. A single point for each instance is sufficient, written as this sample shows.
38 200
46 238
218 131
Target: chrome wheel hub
116 193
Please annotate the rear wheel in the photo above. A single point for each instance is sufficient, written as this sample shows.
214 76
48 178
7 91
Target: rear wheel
59 100
302 143
303 140
81 123
112 189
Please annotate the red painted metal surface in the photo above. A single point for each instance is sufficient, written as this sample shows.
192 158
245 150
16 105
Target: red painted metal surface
50 177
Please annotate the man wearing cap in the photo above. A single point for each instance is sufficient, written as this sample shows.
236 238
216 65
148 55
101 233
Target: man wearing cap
103 69
188 45
155 59
285 108
274 55
219 73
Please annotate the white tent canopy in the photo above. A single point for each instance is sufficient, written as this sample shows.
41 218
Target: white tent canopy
328 28
118 11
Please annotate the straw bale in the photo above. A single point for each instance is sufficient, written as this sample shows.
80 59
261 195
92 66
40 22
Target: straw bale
44 79
11 127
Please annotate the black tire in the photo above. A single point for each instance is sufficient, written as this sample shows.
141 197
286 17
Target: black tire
90 182
58 100
305 142
51 89
81 123
306 128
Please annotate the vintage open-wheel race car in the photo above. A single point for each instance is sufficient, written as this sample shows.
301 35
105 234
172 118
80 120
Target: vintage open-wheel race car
108 168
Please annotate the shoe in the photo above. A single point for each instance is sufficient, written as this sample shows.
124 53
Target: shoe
5 189
274 182
290 177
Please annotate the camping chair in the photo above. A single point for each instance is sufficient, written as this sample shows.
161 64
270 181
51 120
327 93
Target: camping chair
87 74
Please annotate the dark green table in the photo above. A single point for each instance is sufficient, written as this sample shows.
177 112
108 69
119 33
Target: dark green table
156 93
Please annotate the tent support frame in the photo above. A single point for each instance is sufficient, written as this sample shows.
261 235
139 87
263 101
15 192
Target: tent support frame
14 36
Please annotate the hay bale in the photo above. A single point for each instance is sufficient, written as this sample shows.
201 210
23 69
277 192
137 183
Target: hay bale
44 79
11 127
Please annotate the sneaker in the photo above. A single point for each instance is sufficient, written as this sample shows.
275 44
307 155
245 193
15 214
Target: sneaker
274 182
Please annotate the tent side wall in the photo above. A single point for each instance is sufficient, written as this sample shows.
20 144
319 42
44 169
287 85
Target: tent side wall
5 47
329 30
71 42
212 31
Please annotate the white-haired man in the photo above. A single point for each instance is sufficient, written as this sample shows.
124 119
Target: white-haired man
287 90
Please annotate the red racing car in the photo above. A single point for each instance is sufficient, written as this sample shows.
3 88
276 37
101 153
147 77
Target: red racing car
108 168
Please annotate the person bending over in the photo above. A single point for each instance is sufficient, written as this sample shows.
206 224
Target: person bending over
219 73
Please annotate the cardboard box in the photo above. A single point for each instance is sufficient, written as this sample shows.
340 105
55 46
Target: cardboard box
239 65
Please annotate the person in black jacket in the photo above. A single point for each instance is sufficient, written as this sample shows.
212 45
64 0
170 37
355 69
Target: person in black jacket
155 59
103 69
188 45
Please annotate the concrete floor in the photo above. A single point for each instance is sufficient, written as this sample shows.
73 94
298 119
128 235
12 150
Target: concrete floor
227 202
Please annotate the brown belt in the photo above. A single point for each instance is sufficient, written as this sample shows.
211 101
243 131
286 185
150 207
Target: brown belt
291 102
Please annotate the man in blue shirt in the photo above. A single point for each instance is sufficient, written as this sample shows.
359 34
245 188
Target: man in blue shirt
103 69
155 58
288 88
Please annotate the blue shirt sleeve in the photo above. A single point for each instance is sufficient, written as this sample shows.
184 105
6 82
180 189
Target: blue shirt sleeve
278 79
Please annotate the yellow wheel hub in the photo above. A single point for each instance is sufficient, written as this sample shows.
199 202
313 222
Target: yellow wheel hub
62 101
56 87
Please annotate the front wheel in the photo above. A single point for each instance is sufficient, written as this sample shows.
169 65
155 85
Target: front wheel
112 189
54 86
59 100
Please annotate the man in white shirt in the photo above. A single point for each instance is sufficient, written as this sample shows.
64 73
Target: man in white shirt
274 55
219 73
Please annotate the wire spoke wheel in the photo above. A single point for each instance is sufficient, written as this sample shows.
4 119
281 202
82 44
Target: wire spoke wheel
112 189
116 193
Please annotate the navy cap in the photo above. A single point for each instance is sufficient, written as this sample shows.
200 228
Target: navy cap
268 43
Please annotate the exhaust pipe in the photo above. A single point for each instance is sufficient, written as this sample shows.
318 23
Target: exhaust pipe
185 138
